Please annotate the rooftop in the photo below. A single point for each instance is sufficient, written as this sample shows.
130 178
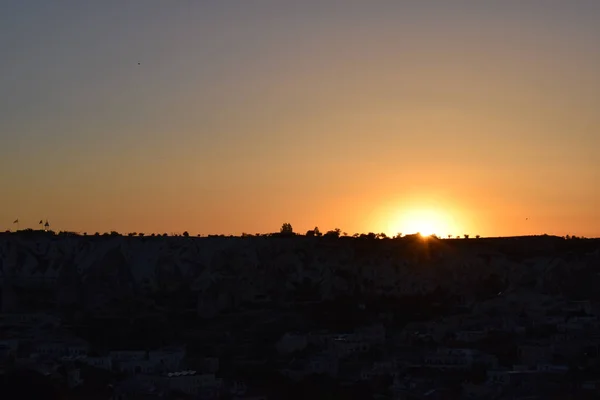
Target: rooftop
181 373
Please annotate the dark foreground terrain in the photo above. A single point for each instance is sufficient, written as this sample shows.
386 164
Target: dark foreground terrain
112 317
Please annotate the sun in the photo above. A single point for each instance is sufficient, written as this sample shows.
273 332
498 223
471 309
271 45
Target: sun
427 222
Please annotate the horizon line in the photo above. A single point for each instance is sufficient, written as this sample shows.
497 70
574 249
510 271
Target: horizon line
372 235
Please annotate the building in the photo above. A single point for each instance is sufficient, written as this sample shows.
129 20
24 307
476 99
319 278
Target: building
168 358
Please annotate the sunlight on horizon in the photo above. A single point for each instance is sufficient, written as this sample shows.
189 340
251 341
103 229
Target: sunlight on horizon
427 222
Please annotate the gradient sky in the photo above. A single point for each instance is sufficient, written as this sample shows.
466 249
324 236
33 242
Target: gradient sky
472 117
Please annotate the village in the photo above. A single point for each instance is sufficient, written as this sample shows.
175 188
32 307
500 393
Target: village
270 318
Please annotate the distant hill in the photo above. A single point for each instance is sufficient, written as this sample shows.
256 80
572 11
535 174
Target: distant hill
90 272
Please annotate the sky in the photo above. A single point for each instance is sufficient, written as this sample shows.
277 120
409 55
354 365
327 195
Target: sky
451 117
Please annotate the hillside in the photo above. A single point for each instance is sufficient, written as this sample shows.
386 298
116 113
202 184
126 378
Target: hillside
228 272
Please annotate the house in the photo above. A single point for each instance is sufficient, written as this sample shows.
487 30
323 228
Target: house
322 338
76 348
238 388
325 363
571 326
192 383
470 336
344 346
11 345
578 307
53 349
136 387
169 358
407 388
45 366
552 368
30 319
522 367
250 397
134 367
379 369
513 378
591 387
295 370
450 358
588 321
56 348
414 330
104 363
553 320
74 377
127 355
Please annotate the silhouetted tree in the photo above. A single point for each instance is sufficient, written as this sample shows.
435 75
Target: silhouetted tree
466 236
369 236
186 234
286 229
141 234
477 236
333 233
449 236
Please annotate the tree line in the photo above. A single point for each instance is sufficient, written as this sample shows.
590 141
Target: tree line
286 230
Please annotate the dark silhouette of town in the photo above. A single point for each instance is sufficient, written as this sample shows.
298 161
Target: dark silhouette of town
298 316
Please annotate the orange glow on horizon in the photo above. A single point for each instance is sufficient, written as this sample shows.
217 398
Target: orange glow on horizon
427 222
